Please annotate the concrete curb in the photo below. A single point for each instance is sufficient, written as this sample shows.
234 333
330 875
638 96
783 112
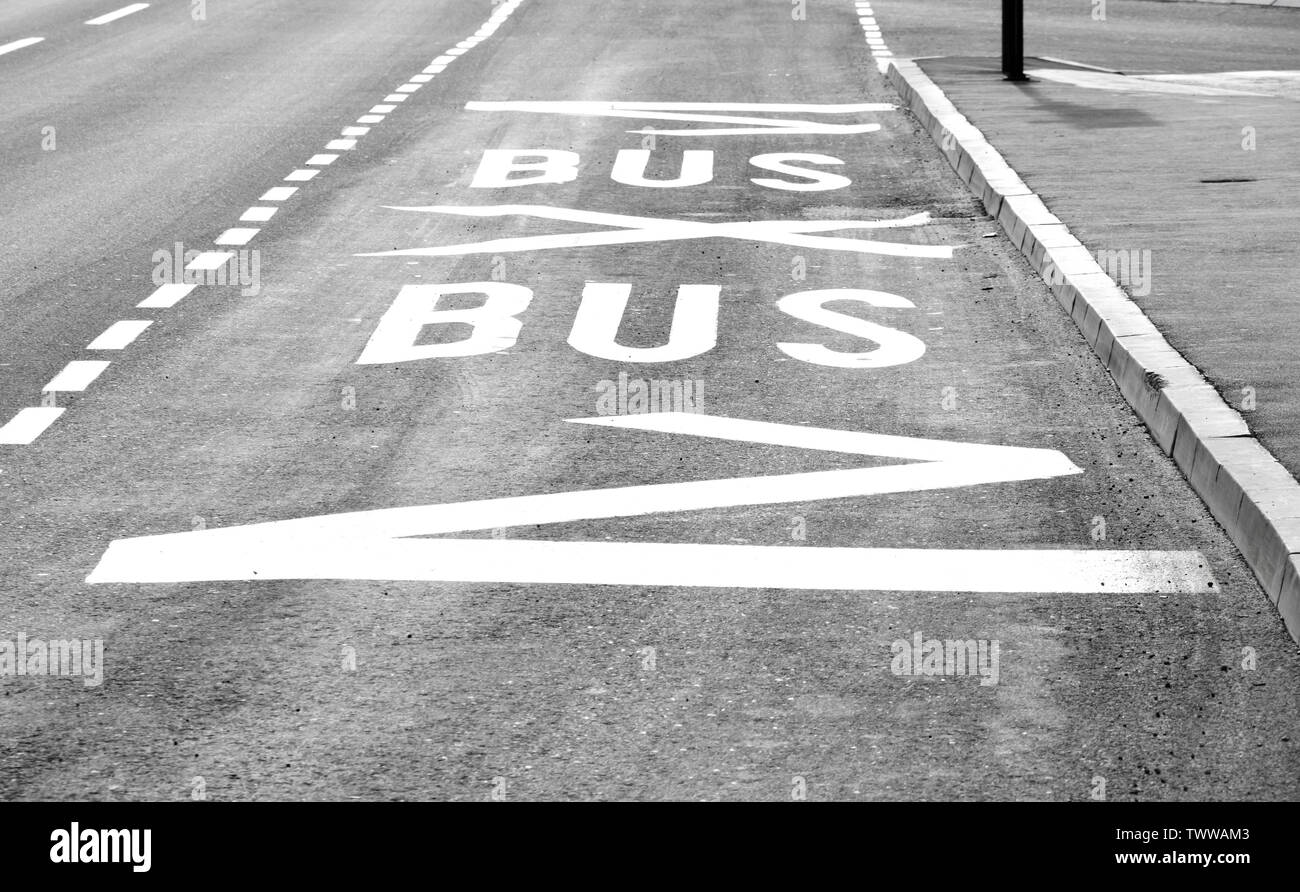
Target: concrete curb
1248 491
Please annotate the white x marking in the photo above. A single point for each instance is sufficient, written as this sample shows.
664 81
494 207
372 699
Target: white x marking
632 230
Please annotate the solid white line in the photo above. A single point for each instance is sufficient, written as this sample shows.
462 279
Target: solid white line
322 160
210 260
28 424
166 296
258 215
120 335
1083 572
279 193
77 375
301 176
114 16
19 44
237 236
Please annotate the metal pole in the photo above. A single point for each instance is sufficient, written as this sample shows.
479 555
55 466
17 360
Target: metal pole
1013 39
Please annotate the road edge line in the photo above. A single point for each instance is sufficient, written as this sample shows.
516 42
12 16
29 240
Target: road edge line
1248 491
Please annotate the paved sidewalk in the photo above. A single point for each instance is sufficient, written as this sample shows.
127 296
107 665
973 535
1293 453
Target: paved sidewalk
1194 183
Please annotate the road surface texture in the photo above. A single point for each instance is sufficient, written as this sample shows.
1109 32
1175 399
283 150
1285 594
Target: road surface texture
452 316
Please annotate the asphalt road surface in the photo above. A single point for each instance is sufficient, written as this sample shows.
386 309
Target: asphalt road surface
379 510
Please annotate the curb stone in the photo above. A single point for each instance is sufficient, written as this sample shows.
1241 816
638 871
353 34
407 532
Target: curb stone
1247 490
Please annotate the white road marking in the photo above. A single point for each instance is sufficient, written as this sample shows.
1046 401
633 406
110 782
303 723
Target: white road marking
209 260
166 296
237 236
444 60
77 375
1098 80
693 330
355 131
895 347
635 230
421 78
278 193
341 145
120 335
322 160
435 69
28 424
695 111
382 109
258 215
19 44
117 14
301 176
494 324
1275 83
408 88
532 562
395 97
381 544
370 119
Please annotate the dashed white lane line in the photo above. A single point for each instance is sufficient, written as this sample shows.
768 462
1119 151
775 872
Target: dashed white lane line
28 424
238 236
257 215
120 335
19 44
77 375
871 31
117 14
279 193
165 296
